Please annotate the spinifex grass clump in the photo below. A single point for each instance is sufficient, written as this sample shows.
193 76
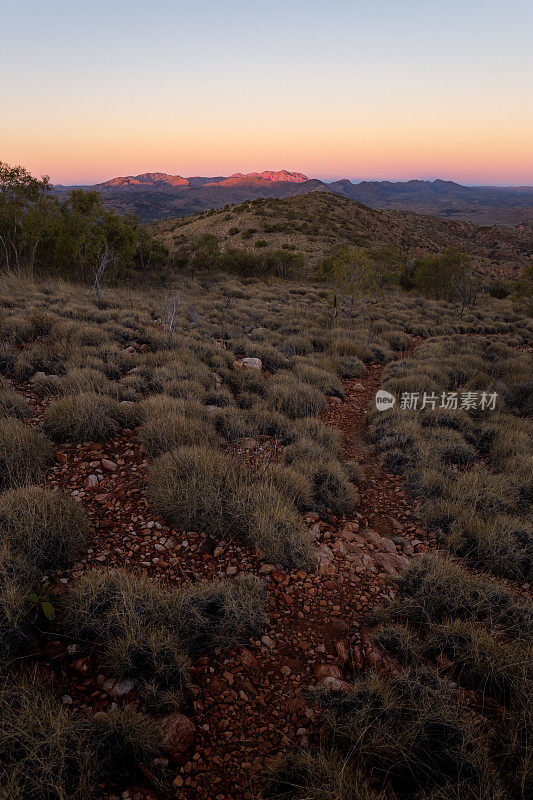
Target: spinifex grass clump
24 454
209 490
148 632
84 417
47 751
46 528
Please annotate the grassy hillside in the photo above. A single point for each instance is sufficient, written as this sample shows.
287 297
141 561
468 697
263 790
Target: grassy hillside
314 224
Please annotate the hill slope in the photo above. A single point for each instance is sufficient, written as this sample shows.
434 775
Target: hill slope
315 223
484 205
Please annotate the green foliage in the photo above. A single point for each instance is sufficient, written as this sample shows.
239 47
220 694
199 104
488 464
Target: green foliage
448 276
205 254
72 238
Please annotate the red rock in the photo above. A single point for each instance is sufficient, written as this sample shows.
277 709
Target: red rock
328 671
332 684
83 666
177 734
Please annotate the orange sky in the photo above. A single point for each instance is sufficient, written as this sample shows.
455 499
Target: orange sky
338 89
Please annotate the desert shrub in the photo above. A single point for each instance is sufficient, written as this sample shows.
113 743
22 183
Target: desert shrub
85 417
24 454
320 775
433 590
500 669
160 433
349 367
48 752
413 731
204 489
294 398
13 404
49 529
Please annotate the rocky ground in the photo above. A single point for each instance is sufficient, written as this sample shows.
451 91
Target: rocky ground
245 706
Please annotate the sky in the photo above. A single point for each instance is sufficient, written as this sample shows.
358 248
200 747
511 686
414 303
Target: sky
373 89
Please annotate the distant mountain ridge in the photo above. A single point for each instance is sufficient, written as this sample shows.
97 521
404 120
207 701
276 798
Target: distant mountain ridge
155 179
158 195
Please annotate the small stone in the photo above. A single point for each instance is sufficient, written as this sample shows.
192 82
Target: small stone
177 734
121 689
253 363
109 465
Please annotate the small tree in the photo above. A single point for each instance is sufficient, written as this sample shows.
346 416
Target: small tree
100 272
22 214
353 273
447 276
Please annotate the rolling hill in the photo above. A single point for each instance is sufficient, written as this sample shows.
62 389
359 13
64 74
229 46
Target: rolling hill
314 223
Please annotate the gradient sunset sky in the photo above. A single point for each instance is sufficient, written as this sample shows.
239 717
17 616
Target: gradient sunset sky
378 89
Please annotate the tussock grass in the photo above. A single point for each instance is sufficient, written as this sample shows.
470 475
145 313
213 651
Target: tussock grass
24 454
321 775
47 528
83 417
148 631
17 581
205 489
413 732
46 751
160 433
434 590
13 404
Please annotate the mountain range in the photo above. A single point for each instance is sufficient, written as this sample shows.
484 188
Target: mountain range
158 195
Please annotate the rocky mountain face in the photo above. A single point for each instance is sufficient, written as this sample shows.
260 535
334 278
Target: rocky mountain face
157 195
